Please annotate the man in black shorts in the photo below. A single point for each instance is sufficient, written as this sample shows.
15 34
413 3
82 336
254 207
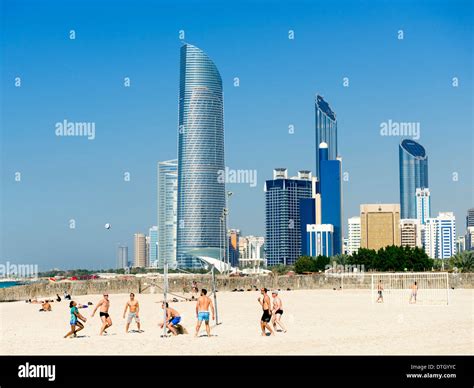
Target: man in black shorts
267 315
104 305
277 311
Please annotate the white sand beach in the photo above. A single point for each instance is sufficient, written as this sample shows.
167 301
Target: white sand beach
319 322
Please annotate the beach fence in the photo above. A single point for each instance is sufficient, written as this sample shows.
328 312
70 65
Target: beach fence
181 285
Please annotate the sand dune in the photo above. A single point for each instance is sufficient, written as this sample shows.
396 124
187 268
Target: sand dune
319 322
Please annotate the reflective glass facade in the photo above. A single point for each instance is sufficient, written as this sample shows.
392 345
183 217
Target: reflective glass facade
326 131
413 164
201 197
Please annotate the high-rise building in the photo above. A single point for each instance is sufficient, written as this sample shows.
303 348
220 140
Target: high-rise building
320 240
379 225
139 258
282 215
423 205
460 244
201 194
410 233
470 218
413 165
469 239
353 235
330 172
326 131
122 257
251 252
234 239
440 236
153 246
167 212
147 251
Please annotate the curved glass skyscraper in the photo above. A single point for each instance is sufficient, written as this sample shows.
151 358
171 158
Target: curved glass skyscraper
326 130
201 196
413 175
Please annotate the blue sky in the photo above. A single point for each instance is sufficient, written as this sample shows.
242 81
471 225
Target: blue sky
63 178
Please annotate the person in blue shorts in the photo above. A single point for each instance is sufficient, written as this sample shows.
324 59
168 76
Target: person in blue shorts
172 318
74 321
202 312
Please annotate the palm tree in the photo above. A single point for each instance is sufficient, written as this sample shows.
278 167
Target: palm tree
463 261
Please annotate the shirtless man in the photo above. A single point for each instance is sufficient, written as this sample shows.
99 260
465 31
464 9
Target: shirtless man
414 291
277 311
202 312
379 292
104 305
172 318
134 307
266 317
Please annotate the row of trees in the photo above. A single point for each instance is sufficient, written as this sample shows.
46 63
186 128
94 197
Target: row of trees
390 258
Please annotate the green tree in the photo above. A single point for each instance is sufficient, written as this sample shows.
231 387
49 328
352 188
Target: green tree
305 264
463 261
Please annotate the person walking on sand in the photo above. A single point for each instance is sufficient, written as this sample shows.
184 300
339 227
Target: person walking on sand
380 292
74 321
266 316
414 291
202 312
104 305
277 311
134 307
172 318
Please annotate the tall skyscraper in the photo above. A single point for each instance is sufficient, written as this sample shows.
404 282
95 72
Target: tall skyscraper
423 205
440 236
167 212
330 172
122 256
379 225
410 233
326 131
469 239
201 196
470 218
413 164
139 258
153 248
353 235
282 215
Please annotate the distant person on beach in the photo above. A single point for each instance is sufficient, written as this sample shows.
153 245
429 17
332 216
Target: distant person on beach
266 317
194 290
45 306
277 311
104 305
134 307
58 298
380 292
172 318
74 321
67 296
414 291
202 312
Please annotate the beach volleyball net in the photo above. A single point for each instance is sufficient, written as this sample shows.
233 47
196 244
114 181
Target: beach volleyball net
432 288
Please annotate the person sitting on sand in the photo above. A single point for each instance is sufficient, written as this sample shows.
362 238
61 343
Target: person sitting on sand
104 305
202 312
45 306
194 290
134 307
277 311
172 318
58 298
74 321
266 316
67 296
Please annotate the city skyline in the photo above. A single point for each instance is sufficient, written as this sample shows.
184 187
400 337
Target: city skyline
64 179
